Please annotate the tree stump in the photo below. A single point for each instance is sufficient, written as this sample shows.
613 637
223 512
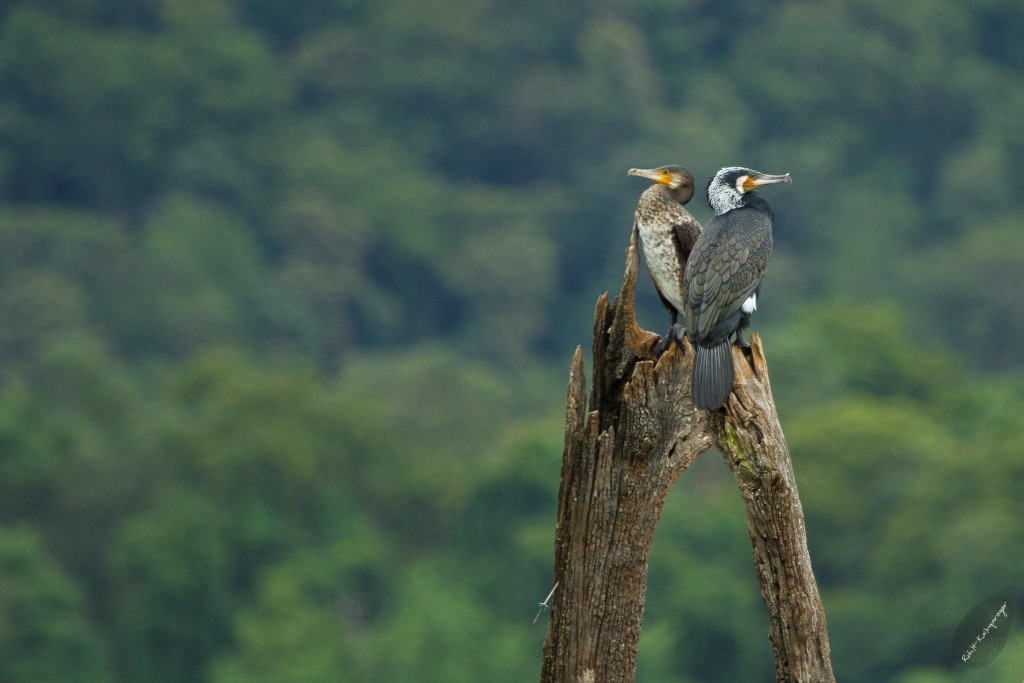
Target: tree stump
622 456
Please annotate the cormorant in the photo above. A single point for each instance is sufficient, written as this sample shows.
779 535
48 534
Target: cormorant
723 277
667 233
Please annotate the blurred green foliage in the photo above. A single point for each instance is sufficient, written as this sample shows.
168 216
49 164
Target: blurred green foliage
287 292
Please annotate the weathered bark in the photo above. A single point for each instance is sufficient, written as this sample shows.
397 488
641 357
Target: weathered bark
622 456
750 437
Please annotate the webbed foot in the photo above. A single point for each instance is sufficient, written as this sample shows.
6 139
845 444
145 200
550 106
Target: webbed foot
674 334
741 339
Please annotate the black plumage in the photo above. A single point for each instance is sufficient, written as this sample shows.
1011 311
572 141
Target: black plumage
723 277
667 235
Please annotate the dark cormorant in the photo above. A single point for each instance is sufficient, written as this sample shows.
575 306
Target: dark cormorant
723 277
667 233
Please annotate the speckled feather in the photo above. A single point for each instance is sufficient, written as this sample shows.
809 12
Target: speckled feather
667 235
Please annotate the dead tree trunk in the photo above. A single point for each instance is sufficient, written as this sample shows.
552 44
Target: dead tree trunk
621 457
751 440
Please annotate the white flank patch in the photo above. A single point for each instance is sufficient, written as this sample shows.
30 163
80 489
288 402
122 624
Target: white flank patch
750 305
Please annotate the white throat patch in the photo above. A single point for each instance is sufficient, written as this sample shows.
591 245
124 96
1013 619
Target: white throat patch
724 196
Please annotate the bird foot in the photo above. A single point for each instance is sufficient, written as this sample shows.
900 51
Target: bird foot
675 334
741 341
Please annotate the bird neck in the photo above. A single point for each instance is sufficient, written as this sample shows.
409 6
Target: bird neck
723 198
681 194
755 200
726 199
676 194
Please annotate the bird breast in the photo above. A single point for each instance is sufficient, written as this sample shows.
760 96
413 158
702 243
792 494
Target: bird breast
663 260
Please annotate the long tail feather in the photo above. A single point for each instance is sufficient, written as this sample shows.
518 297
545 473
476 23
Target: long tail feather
712 376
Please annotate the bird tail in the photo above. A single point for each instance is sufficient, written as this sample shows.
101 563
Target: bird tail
712 375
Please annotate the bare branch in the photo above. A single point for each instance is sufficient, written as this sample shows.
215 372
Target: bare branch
751 440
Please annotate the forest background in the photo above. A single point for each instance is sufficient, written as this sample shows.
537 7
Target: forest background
289 292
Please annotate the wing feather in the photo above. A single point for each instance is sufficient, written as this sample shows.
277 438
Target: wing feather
726 266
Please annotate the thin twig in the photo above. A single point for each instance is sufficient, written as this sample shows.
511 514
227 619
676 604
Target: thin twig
547 602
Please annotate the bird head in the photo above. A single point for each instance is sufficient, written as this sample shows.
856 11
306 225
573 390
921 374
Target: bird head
728 187
678 179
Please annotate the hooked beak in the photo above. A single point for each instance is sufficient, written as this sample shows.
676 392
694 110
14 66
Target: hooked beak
756 180
651 174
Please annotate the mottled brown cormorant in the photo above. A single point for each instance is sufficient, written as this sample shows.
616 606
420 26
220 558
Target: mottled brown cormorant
667 233
723 277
